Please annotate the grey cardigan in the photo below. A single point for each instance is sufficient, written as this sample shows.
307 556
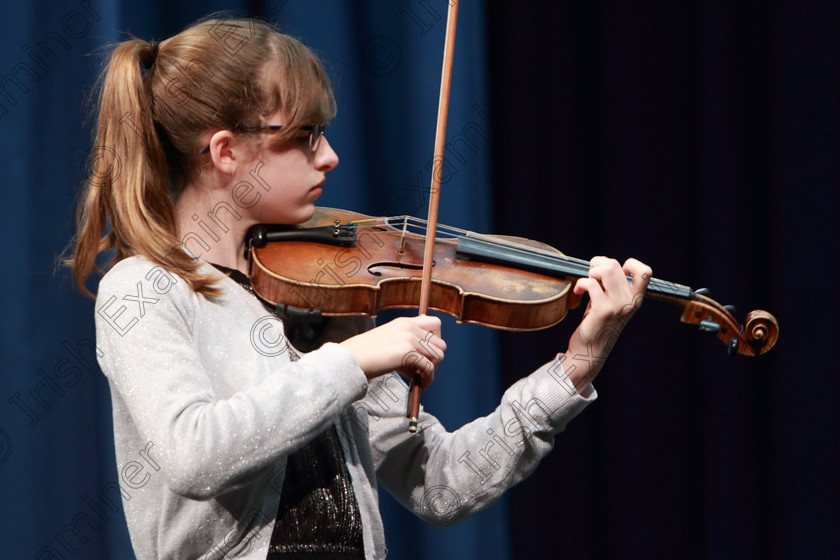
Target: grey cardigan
207 404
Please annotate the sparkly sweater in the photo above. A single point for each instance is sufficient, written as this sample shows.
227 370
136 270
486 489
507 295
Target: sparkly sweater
207 406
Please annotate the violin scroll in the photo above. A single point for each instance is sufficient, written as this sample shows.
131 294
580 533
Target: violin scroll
755 337
762 329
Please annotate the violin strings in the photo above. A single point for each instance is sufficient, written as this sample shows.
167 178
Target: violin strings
454 232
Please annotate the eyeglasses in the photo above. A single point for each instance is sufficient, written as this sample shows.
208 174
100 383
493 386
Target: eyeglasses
315 132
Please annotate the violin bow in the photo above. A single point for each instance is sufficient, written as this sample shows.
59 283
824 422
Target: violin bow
434 193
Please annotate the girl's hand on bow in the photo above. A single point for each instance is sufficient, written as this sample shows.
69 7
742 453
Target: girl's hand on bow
409 345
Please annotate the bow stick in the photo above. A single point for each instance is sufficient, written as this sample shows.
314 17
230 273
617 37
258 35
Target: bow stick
434 193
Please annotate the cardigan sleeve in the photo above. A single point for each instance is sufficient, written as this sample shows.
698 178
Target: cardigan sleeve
444 477
205 443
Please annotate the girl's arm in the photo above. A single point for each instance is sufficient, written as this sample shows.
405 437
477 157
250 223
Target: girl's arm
445 477
189 382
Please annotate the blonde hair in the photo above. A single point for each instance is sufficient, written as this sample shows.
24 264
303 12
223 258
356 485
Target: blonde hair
155 102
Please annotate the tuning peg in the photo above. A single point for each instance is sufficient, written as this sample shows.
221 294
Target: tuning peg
708 326
731 309
732 347
703 292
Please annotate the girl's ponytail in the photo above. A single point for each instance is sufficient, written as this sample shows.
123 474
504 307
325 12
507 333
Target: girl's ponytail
126 187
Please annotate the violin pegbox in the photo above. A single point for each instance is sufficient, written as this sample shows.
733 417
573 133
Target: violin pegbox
755 337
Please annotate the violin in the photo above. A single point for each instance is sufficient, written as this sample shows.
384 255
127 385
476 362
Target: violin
345 263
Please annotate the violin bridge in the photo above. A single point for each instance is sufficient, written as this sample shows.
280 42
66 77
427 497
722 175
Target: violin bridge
402 238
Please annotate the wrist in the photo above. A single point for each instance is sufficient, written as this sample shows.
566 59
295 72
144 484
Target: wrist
581 368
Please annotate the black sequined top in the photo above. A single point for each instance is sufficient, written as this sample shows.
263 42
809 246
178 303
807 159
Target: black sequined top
318 511
318 517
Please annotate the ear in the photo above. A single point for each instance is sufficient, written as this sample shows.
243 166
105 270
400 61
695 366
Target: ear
222 153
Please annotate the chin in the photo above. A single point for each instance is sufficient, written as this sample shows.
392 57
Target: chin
289 214
305 214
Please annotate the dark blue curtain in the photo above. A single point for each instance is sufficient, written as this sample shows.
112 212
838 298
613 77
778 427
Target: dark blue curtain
701 139
56 453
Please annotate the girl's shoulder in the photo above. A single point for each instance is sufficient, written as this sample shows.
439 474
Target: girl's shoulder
137 278
141 296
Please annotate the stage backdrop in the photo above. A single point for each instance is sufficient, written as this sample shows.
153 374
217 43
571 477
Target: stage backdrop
703 141
384 59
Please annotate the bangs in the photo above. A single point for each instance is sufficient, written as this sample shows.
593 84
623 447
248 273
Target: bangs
294 82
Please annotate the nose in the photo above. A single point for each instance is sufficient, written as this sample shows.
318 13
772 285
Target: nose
325 157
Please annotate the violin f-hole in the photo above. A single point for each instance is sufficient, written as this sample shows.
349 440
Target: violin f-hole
373 268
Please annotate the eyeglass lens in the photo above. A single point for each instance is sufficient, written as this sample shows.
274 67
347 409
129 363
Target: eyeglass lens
315 133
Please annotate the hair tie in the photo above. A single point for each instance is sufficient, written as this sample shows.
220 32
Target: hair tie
150 56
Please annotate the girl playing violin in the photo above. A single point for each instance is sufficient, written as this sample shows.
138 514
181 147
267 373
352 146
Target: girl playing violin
225 450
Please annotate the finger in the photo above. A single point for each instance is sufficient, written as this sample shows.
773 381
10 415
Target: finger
640 272
434 355
430 346
428 330
436 345
641 276
593 287
427 323
611 276
426 378
416 366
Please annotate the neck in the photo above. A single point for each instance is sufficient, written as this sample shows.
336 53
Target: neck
212 227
